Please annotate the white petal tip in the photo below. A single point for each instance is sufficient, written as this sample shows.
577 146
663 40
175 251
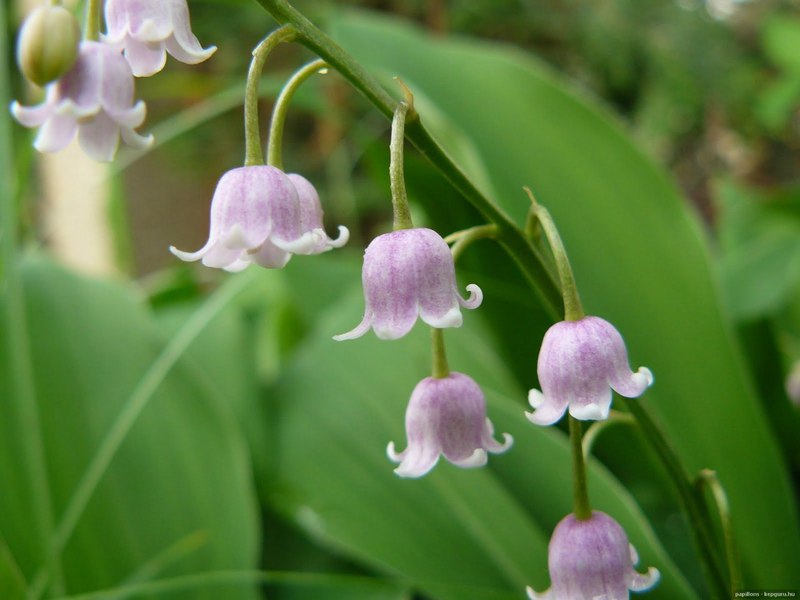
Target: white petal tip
590 412
647 375
478 458
641 583
394 456
533 595
186 256
475 297
535 398
342 239
452 318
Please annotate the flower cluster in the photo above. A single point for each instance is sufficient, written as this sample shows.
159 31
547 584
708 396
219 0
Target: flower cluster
91 91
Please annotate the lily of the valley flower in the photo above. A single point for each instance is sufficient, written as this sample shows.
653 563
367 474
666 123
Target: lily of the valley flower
409 273
148 29
579 363
261 215
591 559
94 98
446 416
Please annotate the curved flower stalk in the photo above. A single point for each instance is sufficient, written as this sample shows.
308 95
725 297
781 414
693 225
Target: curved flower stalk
261 215
147 29
592 558
446 416
409 273
580 362
94 98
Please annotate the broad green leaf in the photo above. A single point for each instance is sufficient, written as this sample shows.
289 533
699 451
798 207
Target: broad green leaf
639 256
12 583
760 249
454 533
177 497
780 37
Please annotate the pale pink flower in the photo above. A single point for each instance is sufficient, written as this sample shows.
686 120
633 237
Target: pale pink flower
446 416
410 273
592 559
580 362
148 29
94 99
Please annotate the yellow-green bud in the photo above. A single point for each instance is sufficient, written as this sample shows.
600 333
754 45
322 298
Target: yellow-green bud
48 42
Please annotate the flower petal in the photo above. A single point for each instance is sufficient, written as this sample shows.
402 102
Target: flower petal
32 116
641 582
548 409
475 297
99 137
358 330
145 58
478 458
56 134
418 459
270 256
534 595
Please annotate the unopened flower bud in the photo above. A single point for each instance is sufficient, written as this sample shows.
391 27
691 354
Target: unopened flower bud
47 46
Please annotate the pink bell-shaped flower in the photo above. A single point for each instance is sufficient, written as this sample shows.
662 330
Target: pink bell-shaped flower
579 363
94 98
257 216
407 273
592 559
148 29
446 416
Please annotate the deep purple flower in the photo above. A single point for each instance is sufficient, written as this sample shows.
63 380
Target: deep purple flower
579 363
593 560
446 416
148 29
407 273
261 215
94 98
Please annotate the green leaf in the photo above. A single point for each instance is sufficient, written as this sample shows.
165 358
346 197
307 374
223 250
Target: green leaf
639 256
780 37
453 533
12 583
181 474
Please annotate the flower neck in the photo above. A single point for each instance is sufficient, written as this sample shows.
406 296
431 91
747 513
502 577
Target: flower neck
91 30
400 210
583 509
253 154
440 366
275 143
573 310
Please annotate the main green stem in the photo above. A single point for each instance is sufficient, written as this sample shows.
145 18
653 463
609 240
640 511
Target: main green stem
582 507
275 143
252 134
509 236
400 210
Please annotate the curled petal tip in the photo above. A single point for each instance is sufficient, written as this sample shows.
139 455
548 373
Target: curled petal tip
647 374
508 441
342 239
393 455
357 331
642 582
187 256
475 297
533 595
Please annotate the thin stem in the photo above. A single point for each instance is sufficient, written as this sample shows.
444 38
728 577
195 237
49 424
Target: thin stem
528 258
598 427
252 135
709 479
440 366
275 142
400 210
129 414
21 407
94 8
690 501
583 509
573 311
463 239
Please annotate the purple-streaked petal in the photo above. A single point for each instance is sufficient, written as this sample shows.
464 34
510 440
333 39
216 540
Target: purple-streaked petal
270 256
56 134
145 58
99 137
417 460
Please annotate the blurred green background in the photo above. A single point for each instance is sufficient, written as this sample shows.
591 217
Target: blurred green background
234 451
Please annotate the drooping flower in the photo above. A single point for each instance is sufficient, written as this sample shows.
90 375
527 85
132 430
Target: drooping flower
579 363
261 215
446 416
94 98
407 273
592 559
148 29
